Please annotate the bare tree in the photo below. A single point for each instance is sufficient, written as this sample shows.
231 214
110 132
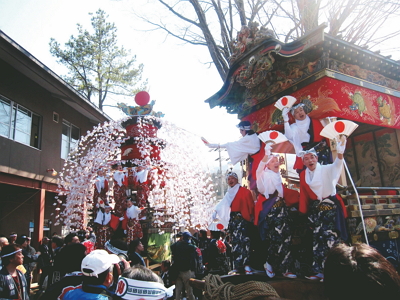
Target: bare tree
214 23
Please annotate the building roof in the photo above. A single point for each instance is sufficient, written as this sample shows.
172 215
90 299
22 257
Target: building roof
249 85
23 61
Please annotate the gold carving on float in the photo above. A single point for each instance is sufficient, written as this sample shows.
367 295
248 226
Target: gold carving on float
393 235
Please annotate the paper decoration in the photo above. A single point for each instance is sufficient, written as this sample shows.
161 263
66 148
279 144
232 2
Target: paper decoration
337 128
285 101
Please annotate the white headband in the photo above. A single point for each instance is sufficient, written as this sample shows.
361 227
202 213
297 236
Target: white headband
311 151
233 174
9 254
113 249
296 107
245 127
132 289
271 157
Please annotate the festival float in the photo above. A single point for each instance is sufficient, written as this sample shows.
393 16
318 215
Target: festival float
140 157
335 80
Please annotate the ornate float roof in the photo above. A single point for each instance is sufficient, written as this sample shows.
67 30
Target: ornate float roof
265 71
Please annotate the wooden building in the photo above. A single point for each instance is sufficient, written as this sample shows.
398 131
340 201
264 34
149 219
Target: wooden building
41 119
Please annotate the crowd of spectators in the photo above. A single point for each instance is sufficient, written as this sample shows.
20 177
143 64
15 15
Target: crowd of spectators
72 269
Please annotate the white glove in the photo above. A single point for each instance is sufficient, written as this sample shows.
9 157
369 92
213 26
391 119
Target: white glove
212 145
122 218
285 114
268 148
341 146
97 205
125 231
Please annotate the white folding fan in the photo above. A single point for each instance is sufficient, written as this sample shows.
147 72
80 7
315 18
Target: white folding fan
338 128
285 101
272 136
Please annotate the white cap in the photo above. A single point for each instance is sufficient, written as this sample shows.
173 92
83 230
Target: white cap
97 262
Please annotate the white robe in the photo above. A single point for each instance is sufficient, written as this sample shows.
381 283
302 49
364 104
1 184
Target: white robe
102 218
133 212
268 181
297 133
141 176
223 208
119 177
323 179
100 183
239 150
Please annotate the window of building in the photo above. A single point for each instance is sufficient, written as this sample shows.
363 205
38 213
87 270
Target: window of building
19 123
70 138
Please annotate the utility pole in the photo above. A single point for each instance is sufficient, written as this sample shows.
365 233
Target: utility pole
221 183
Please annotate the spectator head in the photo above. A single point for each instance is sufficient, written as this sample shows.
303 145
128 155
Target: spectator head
359 272
56 242
186 236
12 254
71 238
13 237
179 236
81 235
136 246
72 256
97 267
203 233
165 265
22 241
147 280
45 240
215 234
116 247
3 242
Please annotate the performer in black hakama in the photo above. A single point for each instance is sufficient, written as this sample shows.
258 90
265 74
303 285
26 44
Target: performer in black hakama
325 209
235 212
272 215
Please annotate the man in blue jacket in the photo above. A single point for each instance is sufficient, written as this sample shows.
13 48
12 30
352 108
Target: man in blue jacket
12 282
97 268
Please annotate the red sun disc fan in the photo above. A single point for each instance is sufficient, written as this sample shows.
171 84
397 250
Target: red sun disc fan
337 128
273 136
285 101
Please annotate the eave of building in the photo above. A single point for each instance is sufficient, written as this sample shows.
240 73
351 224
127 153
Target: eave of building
319 42
20 59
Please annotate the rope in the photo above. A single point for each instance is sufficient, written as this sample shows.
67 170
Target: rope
215 289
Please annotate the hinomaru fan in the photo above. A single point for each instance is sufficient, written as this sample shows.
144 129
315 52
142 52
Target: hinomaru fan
285 101
337 128
273 136
215 226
